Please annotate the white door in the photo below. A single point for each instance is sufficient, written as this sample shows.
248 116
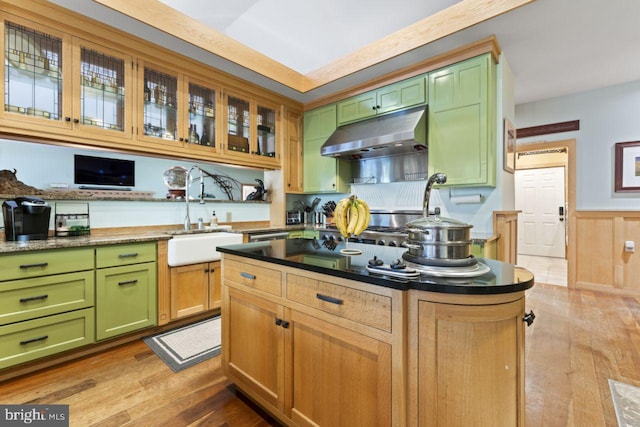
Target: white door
539 194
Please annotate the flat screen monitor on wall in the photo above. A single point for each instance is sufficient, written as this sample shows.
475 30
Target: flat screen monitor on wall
89 170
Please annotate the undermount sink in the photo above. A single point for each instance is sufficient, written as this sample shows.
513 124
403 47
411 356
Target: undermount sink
194 248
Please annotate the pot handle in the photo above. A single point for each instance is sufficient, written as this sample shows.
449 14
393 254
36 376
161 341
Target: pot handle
417 230
406 244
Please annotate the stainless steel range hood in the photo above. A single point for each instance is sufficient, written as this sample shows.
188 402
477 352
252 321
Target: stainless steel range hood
401 132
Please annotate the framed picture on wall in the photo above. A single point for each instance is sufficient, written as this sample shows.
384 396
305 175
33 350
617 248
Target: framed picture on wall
509 161
627 167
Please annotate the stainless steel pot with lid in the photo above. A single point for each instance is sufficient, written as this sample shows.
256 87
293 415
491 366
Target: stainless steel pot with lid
445 240
440 238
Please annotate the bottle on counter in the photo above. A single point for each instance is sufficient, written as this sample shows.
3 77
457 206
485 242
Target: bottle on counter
214 219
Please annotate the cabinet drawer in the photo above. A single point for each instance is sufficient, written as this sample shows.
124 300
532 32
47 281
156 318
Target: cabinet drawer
360 306
24 341
44 263
261 278
42 296
116 255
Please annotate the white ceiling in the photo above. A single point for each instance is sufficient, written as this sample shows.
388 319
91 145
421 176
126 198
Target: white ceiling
305 35
554 47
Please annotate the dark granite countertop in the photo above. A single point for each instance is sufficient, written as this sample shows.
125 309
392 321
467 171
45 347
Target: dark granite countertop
313 255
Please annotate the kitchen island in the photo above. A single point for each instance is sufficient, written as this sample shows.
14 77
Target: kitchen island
316 339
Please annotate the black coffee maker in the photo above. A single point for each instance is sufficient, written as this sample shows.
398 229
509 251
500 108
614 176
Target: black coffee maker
26 218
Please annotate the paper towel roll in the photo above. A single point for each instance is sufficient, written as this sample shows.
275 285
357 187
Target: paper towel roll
473 198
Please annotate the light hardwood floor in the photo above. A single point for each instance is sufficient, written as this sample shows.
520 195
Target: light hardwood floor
548 270
578 340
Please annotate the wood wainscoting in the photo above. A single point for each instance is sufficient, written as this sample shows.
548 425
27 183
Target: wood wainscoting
601 261
505 225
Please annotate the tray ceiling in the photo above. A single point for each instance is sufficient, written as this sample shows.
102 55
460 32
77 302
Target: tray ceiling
309 49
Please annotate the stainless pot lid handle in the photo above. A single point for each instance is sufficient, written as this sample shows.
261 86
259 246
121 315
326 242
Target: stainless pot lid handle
417 230
406 244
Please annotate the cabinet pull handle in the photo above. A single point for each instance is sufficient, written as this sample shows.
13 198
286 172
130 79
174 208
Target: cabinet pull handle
39 297
329 299
131 255
278 321
39 264
248 276
128 282
529 318
32 340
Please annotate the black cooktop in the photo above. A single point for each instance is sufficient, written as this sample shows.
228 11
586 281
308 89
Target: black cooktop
350 260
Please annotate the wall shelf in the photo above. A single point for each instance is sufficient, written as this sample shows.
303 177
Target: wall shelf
58 195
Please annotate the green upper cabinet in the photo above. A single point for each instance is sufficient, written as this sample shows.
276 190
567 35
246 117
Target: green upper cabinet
462 103
406 93
322 174
357 108
320 123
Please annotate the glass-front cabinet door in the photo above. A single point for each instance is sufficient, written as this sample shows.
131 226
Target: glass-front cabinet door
266 130
103 91
238 124
34 74
201 110
159 96
251 130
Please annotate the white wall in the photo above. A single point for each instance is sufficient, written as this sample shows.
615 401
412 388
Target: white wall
607 116
39 165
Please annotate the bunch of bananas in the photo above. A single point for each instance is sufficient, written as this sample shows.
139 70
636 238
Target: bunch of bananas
351 216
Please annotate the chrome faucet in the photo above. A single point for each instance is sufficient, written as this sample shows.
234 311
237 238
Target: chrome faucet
438 178
187 219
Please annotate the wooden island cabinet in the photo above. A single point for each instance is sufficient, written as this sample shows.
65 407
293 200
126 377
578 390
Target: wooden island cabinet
467 360
305 348
318 350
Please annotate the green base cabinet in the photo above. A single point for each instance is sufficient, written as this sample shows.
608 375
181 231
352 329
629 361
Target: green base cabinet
42 296
46 303
29 340
126 295
60 299
462 136
23 265
322 174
